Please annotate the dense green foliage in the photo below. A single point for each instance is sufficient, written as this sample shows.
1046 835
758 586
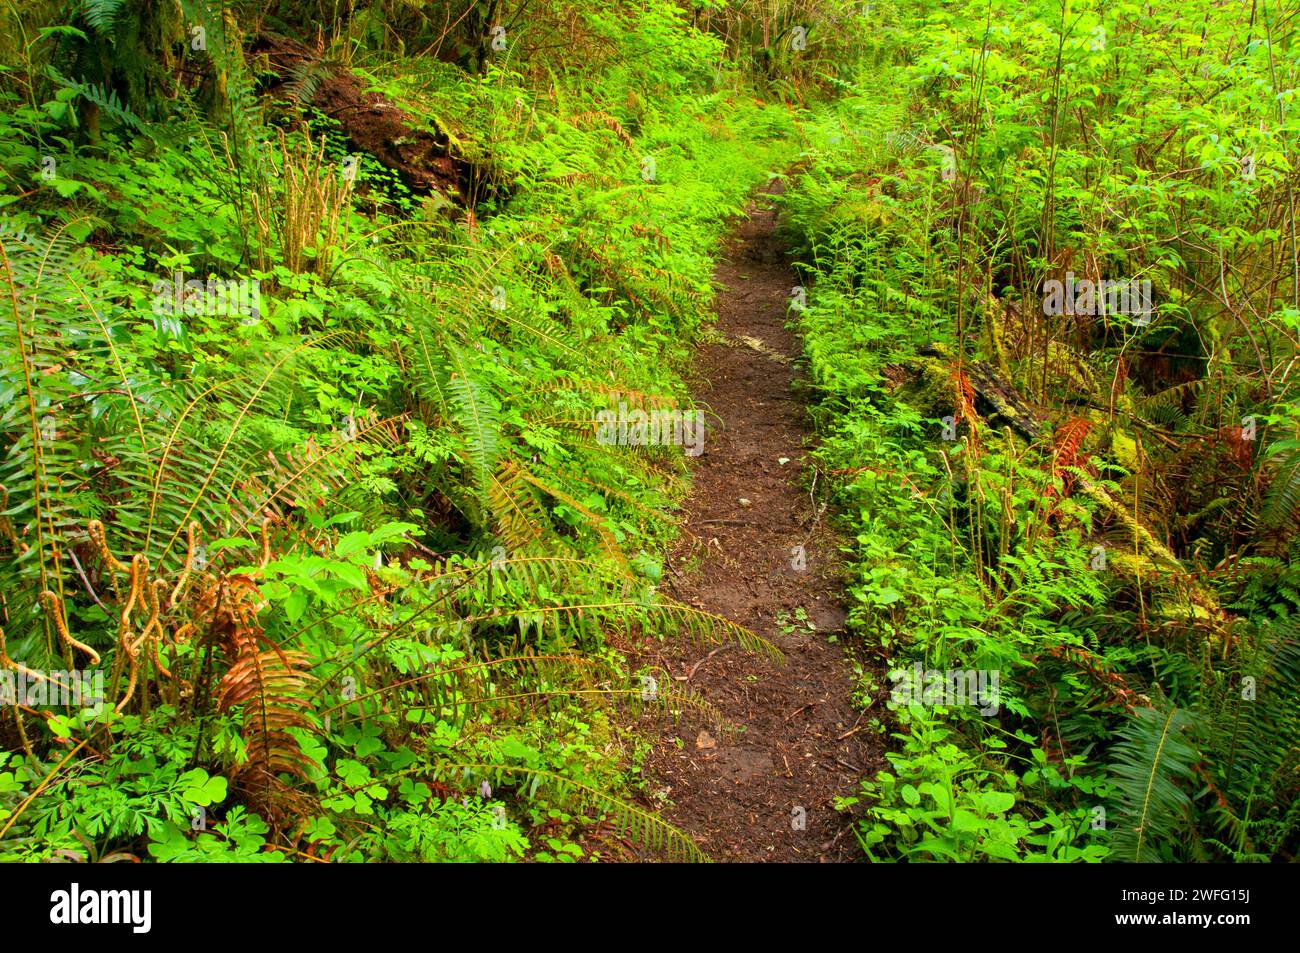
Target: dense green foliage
1111 520
334 523
351 543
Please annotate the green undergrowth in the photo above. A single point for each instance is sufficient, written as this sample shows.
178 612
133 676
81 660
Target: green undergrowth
346 551
1110 529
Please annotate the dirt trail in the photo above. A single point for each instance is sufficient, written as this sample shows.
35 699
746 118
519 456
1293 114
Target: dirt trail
800 741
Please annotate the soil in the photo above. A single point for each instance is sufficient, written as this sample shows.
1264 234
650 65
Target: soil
764 789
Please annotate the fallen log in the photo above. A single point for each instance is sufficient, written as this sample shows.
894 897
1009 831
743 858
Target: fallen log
1001 402
1002 405
423 159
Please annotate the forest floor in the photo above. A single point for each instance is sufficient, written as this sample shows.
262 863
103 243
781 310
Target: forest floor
763 790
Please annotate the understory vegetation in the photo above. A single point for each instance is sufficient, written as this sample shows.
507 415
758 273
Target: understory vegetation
311 308
1098 504
299 449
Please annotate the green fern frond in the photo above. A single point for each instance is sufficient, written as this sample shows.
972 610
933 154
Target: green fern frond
106 99
1151 767
101 14
478 420
640 825
1282 499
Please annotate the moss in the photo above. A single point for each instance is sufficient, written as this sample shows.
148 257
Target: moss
1070 371
1133 566
1125 450
932 392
